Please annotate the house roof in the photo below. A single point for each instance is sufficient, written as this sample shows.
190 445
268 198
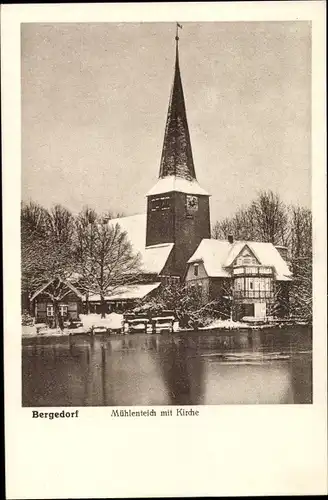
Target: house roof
217 255
153 257
213 253
67 283
135 291
178 184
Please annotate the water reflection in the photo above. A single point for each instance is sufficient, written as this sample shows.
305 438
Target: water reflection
251 367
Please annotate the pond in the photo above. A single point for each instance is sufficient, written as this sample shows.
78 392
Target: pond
190 368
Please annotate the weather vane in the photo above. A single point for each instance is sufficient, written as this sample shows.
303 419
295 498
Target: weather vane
177 31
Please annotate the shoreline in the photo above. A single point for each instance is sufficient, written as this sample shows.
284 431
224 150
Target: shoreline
29 332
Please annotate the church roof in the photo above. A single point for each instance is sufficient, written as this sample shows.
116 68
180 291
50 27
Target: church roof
153 257
173 183
126 292
177 159
218 255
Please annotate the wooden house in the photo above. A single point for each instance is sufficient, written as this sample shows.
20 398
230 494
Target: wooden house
70 304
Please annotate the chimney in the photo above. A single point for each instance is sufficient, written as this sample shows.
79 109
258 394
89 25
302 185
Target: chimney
230 238
283 252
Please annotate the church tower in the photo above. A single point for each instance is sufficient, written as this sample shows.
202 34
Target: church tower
177 206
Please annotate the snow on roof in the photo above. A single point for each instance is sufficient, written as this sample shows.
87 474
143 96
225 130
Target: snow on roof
217 255
268 255
135 291
67 283
135 227
153 257
213 253
175 183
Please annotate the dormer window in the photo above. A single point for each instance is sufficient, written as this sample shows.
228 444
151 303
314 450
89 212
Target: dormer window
196 269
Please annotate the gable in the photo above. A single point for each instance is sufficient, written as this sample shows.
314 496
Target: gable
196 270
70 290
246 257
218 256
213 253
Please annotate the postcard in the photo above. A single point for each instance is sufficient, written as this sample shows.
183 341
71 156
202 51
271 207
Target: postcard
164 249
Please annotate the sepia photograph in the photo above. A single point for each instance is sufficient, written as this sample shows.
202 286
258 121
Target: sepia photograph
166 213
165 249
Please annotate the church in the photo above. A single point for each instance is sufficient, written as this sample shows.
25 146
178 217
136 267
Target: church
174 236
174 241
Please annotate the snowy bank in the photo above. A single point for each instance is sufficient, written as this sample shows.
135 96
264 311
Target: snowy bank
111 321
35 331
226 324
90 322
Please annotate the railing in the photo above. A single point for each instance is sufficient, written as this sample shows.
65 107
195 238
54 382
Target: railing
252 294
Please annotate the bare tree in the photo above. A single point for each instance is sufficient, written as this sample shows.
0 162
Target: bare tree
222 229
265 219
33 236
300 248
269 216
241 226
83 223
105 259
47 251
300 234
301 290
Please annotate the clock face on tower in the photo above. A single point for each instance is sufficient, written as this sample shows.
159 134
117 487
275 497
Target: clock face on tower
192 203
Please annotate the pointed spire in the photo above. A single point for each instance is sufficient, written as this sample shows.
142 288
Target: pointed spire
177 157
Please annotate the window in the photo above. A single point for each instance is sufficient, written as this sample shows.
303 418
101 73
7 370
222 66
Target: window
50 310
257 284
251 270
63 309
251 285
246 261
265 270
267 284
162 203
239 284
195 269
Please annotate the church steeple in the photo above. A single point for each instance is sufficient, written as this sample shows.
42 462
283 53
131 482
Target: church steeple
177 159
177 206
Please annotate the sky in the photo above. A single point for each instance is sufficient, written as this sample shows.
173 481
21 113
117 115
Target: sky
95 99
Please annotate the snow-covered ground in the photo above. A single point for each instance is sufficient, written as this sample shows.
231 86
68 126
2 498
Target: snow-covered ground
225 324
111 321
33 331
115 321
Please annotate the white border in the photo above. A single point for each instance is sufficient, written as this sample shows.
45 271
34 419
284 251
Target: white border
228 450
